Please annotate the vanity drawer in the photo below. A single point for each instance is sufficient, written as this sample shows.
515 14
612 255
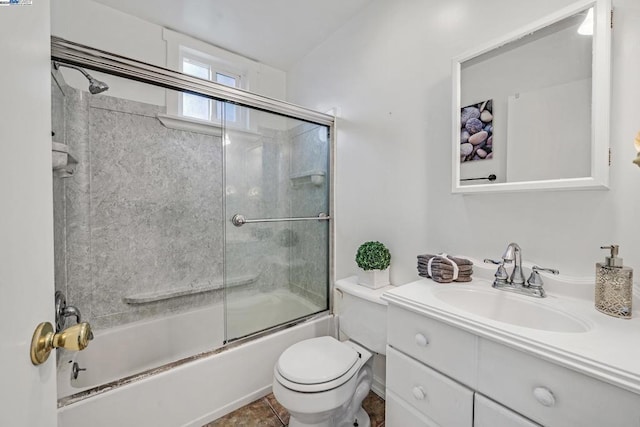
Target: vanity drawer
399 413
550 394
487 413
442 347
437 397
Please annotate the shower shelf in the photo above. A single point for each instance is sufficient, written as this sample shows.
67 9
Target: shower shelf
63 163
315 177
148 297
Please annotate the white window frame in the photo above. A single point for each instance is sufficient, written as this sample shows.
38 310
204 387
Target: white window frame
180 46
215 67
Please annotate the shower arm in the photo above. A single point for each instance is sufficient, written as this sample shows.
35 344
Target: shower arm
57 66
95 86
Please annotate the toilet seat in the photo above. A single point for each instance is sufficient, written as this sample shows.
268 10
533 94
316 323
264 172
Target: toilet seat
317 364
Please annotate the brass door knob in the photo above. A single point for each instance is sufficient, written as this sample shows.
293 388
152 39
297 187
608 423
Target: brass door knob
44 340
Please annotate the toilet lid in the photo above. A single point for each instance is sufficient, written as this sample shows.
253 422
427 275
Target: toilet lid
316 360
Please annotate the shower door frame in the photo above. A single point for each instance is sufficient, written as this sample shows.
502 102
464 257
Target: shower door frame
84 56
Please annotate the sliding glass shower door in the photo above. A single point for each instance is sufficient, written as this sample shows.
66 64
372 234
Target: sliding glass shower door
276 261
147 177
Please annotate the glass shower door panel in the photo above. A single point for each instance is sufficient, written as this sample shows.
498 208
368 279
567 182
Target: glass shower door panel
276 271
138 228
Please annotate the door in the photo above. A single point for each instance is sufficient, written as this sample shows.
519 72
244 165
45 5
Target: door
27 392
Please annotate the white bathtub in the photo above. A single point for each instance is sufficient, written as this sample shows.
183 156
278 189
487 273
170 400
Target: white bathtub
192 393
123 351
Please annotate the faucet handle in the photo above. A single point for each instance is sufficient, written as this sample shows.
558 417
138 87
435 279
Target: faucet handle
548 270
534 280
501 275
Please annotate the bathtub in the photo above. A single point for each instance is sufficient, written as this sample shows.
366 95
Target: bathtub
189 394
127 350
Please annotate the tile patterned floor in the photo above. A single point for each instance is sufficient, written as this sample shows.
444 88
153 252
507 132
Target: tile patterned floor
267 412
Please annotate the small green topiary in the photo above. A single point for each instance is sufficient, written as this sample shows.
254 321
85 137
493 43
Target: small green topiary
373 256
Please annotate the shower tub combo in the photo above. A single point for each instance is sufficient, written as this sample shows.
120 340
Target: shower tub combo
190 306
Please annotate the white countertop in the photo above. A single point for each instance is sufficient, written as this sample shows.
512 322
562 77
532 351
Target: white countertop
609 350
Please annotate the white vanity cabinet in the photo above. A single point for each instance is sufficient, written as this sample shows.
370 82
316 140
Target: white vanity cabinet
432 371
435 396
551 394
487 413
442 375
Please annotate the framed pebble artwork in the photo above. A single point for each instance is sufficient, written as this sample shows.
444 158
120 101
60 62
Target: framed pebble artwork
476 131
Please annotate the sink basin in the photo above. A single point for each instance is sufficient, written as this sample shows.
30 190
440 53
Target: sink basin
506 308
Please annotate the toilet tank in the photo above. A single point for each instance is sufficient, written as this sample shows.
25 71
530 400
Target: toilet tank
362 314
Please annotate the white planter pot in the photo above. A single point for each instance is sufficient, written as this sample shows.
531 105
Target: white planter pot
373 279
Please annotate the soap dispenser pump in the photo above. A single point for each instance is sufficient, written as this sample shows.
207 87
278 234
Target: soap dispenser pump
614 285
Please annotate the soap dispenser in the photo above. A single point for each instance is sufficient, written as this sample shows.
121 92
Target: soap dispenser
614 285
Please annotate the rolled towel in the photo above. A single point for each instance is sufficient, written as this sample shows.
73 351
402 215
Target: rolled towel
466 272
443 275
443 268
457 260
446 267
445 280
446 262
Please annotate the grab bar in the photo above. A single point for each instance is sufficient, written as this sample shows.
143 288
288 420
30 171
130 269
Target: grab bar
239 220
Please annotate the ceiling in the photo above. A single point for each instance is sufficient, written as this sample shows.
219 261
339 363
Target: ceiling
275 32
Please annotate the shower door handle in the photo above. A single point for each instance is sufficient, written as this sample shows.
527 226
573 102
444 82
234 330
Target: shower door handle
239 220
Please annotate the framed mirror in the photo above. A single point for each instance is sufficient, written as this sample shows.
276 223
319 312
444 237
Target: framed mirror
531 110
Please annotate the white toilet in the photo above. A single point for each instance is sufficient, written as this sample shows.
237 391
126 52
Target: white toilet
322 381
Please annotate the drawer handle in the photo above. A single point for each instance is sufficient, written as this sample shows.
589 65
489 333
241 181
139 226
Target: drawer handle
544 396
421 340
418 393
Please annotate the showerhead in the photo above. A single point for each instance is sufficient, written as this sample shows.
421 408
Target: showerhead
95 86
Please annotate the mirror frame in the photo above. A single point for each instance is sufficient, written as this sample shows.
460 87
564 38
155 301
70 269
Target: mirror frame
600 104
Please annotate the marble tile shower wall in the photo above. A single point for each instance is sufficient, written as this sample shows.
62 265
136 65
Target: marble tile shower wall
255 188
143 212
309 256
266 178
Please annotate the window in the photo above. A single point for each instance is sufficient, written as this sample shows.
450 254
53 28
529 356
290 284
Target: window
230 109
204 108
202 60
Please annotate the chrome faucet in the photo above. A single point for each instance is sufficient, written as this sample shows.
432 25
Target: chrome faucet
516 283
63 311
513 253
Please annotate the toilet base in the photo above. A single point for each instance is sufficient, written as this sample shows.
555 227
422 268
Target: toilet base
362 419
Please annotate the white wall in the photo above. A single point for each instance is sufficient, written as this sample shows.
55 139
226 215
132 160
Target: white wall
101 27
389 73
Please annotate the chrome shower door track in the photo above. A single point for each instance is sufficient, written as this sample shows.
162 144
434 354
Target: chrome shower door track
99 60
